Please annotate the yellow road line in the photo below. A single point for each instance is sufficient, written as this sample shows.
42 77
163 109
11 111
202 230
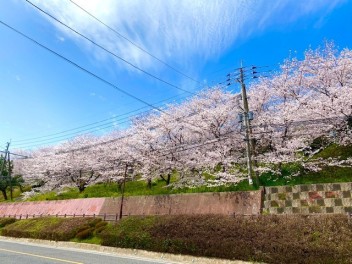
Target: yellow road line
39 256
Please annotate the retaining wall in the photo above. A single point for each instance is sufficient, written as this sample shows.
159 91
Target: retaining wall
89 206
307 199
238 203
225 203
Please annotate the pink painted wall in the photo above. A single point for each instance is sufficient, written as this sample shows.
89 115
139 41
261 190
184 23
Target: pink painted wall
226 203
70 207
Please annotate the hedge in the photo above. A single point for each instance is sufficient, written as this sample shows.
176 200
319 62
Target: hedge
6 221
50 228
266 238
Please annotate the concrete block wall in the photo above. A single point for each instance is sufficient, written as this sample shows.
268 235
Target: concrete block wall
307 199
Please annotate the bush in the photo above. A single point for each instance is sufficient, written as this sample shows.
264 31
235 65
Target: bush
51 228
95 222
6 221
101 224
132 232
336 151
319 142
86 233
269 239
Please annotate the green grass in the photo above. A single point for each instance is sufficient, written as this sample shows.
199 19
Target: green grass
92 240
16 194
51 228
326 175
335 151
136 188
139 187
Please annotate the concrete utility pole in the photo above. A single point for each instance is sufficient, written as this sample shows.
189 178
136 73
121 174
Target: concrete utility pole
9 175
128 170
246 125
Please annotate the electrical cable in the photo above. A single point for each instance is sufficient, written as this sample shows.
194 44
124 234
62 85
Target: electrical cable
133 43
108 51
81 68
30 140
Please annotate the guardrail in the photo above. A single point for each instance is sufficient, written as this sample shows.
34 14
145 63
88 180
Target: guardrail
104 217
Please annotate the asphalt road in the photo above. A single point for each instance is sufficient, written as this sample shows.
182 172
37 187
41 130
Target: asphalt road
23 253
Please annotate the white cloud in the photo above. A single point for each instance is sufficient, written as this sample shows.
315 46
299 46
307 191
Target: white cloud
288 11
176 31
60 38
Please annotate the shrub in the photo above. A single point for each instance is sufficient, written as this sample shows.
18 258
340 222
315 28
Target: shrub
95 221
6 221
269 239
51 228
101 224
86 233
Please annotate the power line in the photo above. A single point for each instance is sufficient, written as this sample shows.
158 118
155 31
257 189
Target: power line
14 154
104 126
129 135
133 43
81 68
29 140
117 139
108 51
27 144
189 146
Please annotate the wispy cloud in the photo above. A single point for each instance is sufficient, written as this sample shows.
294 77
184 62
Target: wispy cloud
176 30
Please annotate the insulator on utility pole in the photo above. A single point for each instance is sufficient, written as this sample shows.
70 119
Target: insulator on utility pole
240 118
250 116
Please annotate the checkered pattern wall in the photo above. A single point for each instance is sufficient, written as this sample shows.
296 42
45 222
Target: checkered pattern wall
307 199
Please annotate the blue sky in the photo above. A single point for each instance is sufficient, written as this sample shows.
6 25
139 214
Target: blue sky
42 95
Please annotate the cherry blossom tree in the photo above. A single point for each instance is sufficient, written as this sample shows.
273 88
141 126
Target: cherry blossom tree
304 100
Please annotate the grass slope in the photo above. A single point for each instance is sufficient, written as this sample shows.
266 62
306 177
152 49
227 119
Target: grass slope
265 238
135 188
52 228
328 174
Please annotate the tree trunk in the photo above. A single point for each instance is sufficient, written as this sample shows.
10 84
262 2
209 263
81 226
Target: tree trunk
81 188
149 183
4 194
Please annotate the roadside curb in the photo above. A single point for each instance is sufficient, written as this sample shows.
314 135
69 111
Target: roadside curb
136 253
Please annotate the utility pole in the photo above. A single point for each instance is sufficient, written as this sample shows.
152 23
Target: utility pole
123 192
128 169
245 117
5 158
246 125
9 174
